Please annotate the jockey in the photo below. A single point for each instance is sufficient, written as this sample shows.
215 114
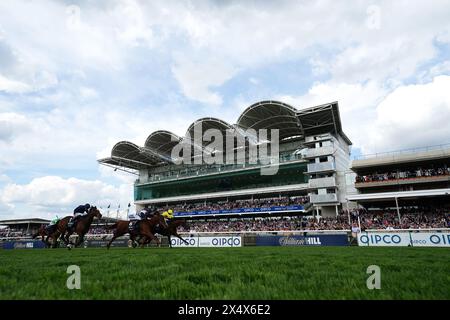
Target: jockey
168 215
51 227
144 213
54 221
79 212
134 218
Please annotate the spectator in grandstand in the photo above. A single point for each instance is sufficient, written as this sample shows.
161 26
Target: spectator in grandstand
393 175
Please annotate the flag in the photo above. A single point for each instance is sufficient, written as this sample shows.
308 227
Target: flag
109 205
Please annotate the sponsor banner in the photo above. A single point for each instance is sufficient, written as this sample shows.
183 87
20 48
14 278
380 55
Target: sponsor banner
217 242
313 240
384 239
191 242
404 239
430 239
244 210
23 244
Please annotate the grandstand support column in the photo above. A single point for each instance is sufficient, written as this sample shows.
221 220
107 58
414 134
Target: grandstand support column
398 210
336 210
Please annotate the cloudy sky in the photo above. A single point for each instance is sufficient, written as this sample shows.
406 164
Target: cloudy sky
78 76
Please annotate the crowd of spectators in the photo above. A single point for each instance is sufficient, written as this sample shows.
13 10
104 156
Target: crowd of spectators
268 224
384 219
395 175
12 233
411 218
239 204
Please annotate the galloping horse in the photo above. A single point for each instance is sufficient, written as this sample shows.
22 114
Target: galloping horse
82 227
146 229
58 230
46 235
171 230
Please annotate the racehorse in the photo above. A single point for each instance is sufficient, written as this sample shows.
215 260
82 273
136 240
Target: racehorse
82 227
58 230
45 235
146 229
171 230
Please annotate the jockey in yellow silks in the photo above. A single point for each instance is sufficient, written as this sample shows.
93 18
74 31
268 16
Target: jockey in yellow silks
168 215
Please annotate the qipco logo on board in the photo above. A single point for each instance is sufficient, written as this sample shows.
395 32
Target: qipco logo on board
226 242
177 242
384 239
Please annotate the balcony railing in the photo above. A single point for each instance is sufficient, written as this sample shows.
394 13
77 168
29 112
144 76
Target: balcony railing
323 198
322 166
322 182
319 152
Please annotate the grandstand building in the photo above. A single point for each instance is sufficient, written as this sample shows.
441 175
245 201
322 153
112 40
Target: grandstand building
402 179
313 159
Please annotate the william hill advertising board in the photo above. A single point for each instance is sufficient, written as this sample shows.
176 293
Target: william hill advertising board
314 240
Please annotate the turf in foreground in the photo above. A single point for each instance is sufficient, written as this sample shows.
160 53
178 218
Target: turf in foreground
226 273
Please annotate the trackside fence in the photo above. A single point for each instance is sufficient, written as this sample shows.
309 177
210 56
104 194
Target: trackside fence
407 237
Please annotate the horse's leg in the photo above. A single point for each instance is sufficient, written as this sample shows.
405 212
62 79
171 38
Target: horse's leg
111 241
134 242
68 243
142 240
151 237
47 244
179 237
80 240
116 234
61 236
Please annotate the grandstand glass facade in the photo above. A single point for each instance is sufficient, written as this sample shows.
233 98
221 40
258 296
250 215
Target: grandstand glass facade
289 173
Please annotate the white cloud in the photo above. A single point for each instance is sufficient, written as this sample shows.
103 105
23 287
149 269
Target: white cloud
351 96
412 116
197 79
378 120
74 89
357 104
6 209
12 86
12 125
55 194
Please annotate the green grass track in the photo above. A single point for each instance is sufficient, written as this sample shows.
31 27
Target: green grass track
226 273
